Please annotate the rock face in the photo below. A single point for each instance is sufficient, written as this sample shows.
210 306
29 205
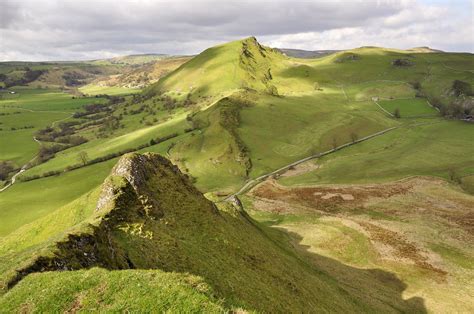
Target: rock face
129 203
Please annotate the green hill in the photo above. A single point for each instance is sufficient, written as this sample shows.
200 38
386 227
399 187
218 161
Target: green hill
231 117
149 216
242 64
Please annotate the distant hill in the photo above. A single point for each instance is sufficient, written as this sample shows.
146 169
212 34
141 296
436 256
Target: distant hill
124 71
424 49
141 75
137 59
300 53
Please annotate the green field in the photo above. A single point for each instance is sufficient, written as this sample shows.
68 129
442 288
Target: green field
409 108
35 109
233 113
93 90
436 148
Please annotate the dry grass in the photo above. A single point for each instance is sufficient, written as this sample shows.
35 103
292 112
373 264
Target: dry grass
420 229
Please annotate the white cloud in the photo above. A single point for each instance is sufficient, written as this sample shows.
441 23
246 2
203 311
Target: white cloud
67 29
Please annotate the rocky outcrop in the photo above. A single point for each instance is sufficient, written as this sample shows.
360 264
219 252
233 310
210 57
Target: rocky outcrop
130 201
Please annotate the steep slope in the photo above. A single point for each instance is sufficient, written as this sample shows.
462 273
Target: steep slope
149 216
242 64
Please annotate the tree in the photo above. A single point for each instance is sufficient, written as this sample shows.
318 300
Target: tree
83 157
354 137
461 88
416 85
396 113
453 176
5 169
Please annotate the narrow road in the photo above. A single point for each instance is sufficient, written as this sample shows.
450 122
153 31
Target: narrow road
25 166
374 99
259 179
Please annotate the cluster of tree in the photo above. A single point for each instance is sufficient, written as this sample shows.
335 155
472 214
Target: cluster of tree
108 125
91 110
139 98
22 127
5 169
64 135
188 101
9 113
28 77
396 113
347 56
72 140
47 152
418 88
457 109
402 63
136 111
84 160
169 103
461 88
73 78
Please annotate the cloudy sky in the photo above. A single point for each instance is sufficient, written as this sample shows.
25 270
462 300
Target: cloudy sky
89 29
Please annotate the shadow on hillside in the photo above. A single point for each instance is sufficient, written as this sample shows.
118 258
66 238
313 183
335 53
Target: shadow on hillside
377 288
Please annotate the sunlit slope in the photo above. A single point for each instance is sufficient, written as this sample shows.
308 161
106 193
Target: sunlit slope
278 110
147 215
236 65
362 67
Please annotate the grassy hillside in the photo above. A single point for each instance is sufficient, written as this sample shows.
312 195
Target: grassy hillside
243 127
435 148
243 64
149 216
234 113
138 76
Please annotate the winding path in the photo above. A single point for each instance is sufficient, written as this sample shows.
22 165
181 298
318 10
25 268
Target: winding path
25 166
259 179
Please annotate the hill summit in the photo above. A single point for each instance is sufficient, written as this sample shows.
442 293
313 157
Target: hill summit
241 64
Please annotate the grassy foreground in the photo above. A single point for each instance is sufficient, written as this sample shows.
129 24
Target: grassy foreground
149 216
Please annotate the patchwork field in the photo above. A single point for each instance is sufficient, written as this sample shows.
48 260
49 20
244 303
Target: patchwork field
409 108
28 110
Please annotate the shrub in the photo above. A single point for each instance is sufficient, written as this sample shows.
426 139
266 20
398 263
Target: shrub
396 113
461 88
5 168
